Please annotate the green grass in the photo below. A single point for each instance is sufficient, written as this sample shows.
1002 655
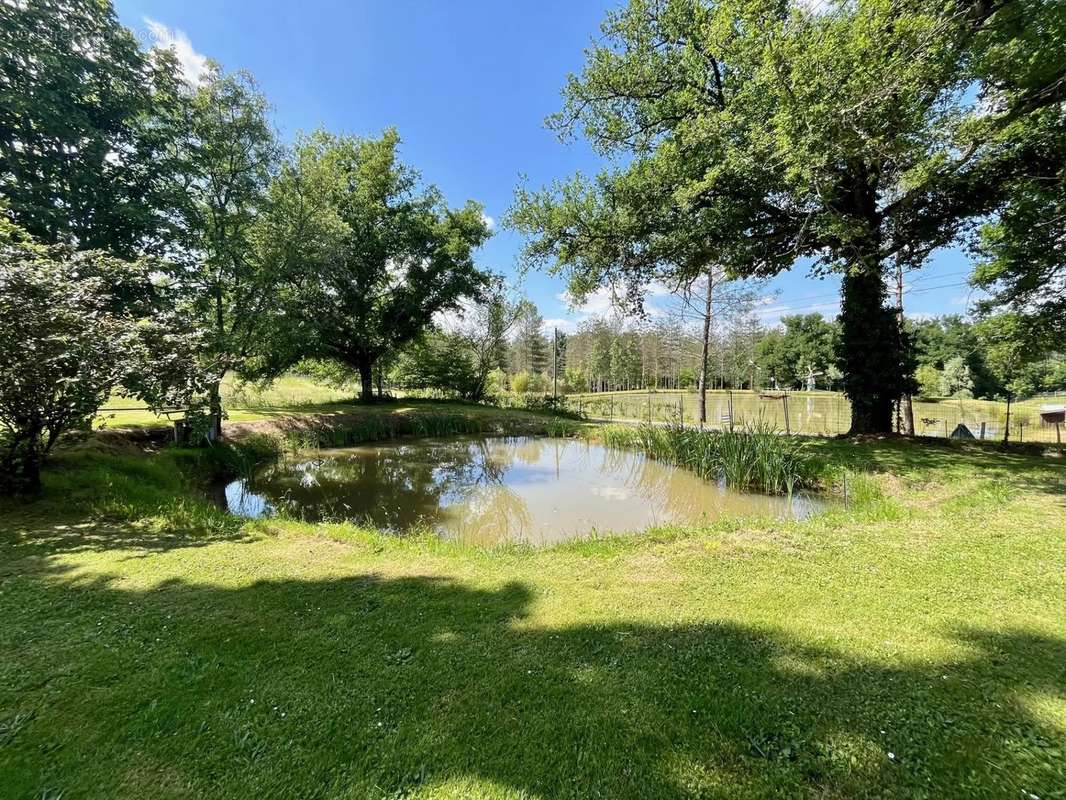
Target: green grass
243 402
912 645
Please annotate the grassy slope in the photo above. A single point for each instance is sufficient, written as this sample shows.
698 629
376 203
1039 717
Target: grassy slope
912 646
243 402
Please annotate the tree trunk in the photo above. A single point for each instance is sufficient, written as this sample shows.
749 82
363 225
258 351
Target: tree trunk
908 415
215 409
706 347
366 379
871 350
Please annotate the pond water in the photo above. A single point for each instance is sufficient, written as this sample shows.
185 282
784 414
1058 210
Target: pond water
496 489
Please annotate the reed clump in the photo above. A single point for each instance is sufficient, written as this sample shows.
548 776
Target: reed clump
756 457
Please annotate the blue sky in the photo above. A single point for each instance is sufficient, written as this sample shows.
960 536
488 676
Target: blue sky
468 84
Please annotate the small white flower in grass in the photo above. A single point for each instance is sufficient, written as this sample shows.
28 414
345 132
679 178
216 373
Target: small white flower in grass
891 756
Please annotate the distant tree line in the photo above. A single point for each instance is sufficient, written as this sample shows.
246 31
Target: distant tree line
610 353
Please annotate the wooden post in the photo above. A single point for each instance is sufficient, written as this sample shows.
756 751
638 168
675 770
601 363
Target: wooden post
730 410
982 431
784 402
1058 434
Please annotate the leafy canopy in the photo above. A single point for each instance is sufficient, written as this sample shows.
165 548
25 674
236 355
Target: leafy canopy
370 256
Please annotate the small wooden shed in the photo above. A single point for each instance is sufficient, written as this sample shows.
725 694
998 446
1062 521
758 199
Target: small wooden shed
1051 415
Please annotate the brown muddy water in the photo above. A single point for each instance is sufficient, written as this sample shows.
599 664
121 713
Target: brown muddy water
489 490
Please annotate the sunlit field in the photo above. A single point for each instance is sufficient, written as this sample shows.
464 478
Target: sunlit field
243 402
817 413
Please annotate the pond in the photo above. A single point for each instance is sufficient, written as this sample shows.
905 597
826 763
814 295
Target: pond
488 490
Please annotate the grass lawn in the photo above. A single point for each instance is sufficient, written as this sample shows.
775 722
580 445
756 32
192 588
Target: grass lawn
912 645
243 402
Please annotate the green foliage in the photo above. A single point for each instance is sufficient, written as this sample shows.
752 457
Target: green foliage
805 345
423 421
525 382
226 275
955 380
625 361
369 256
1010 356
530 351
754 458
460 359
74 326
88 124
1008 352
929 381
440 361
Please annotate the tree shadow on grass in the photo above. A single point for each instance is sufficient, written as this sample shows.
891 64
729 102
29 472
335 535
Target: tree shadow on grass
371 687
29 536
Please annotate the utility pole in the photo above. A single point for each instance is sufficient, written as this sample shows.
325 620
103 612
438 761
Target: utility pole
555 363
706 344
906 406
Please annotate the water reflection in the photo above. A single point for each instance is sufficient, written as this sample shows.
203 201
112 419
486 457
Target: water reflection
489 490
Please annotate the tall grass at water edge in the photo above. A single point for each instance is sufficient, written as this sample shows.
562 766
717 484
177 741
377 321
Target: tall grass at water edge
756 457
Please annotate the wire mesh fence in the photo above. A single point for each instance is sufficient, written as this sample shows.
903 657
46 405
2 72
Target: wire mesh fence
813 413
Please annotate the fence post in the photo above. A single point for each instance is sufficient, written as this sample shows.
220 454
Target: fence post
784 401
982 431
649 408
611 412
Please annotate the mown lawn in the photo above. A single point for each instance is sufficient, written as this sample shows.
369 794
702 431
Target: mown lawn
912 645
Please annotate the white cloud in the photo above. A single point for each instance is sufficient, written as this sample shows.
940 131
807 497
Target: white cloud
815 7
490 223
193 64
562 323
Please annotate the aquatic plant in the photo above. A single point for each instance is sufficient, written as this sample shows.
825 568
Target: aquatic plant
755 457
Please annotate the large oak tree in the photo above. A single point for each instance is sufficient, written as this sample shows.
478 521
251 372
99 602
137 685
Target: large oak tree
749 134
370 255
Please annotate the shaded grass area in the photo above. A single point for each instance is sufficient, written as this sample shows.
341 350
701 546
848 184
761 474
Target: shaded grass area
913 645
